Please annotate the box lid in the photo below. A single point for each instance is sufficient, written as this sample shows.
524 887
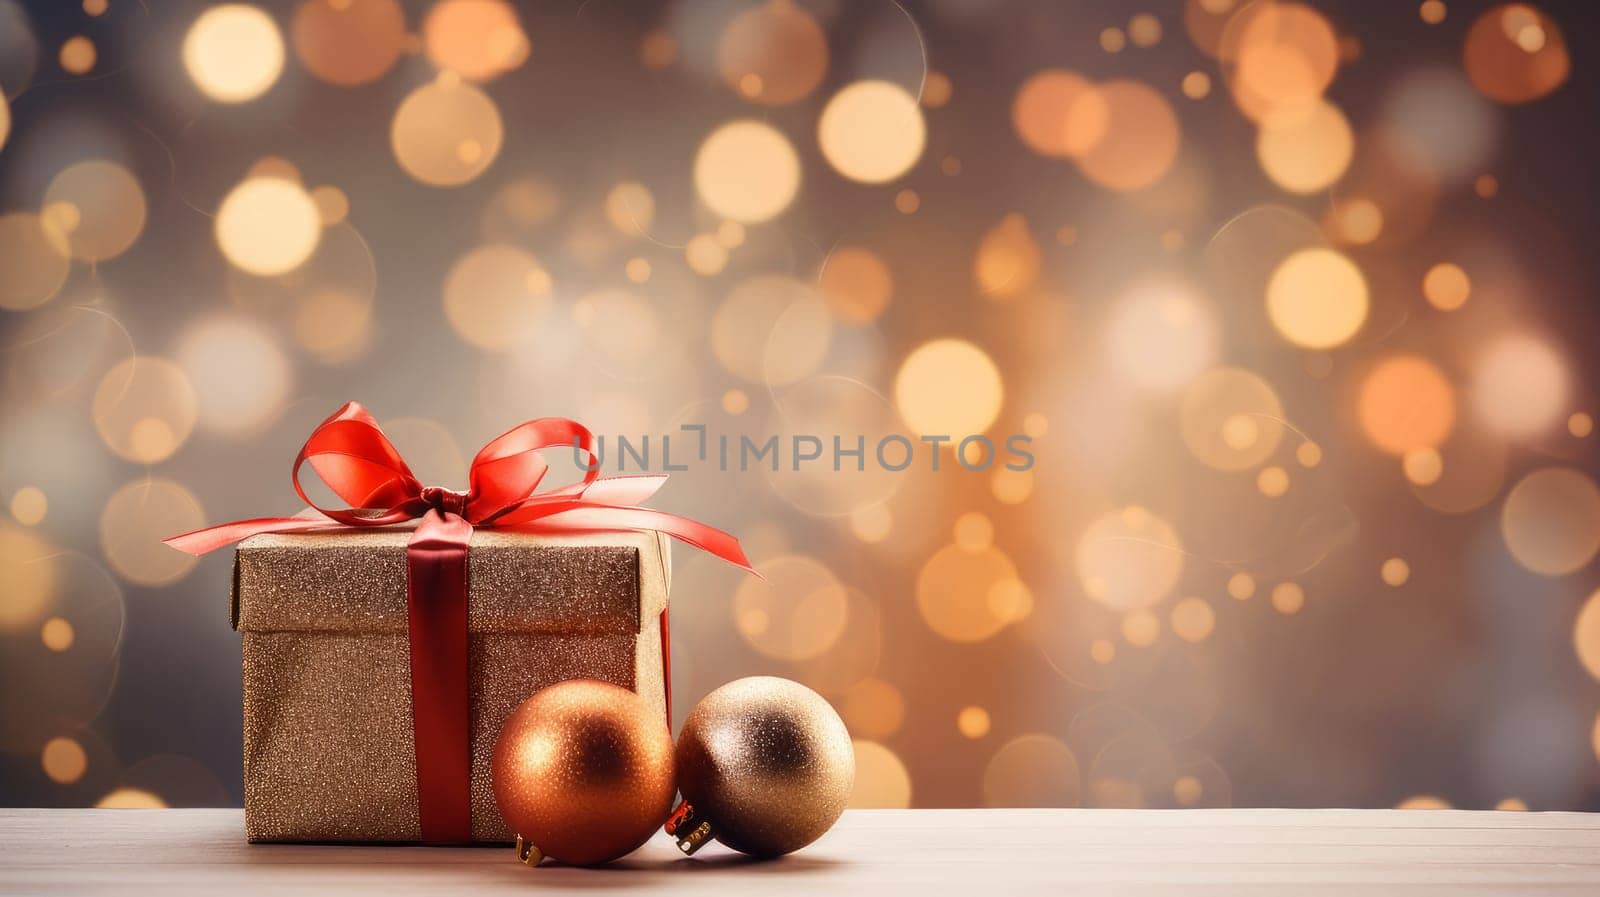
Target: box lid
355 580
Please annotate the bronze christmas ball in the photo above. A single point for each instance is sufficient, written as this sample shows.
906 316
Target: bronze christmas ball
765 766
583 773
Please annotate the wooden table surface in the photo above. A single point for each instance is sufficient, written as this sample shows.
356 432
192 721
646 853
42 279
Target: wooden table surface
991 852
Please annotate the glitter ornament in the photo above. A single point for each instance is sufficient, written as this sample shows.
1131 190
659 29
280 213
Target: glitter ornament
583 773
765 766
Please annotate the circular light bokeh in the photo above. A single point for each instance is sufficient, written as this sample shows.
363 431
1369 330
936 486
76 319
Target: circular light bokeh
36 258
773 53
796 612
1140 138
1008 260
348 42
446 133
1161 335
497 297
136 518
233 52
1586 640
948 387
954 590
1551 521
1514 53
1446 286
881 781
1033 770
1059 113
771 329
1520 385
480 40
857 283
1317 299
1231 419
28 572
746 170
1308 151
145 408
872 131
1129 559
268 226
241 377
1406 403
99 206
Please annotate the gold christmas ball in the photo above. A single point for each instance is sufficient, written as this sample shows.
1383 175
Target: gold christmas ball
583 772
765 766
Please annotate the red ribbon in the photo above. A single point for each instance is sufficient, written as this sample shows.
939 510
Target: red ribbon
357 461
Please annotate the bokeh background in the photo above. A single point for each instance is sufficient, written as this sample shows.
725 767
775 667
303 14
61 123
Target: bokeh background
1293 300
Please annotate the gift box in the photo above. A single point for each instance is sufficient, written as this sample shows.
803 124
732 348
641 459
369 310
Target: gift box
385 642
330 728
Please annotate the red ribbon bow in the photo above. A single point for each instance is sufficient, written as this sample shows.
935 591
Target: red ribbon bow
357 461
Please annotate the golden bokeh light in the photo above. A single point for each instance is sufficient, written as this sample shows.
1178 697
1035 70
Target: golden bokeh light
907 201
773 53
1034 770
5 120
1008 259
705 255
1162 335
747 170
1317 298
348 42
973 722
797 612
1011 487
1144 30
1446 286
1196 85
948 387
1102 651
1141 628
480 40
1193 619
1357 221
881 782
135 520
872 131
857 283
772 329
28 575
145 408
36 258
1432 11
63 760
130 799
973 531
1273 482
1586 641
1395 572
333 206
1580 424
872 523
1515 53
99 206
1047 116
78 55
497 297
29 505
1129 559
1309 454
447 132
1139 141
1288 598
1113 40
1423 802
241 377
1406 404
1231 419
937 89
1551 521
630 208
1520 385
1464 474
1242 586
1280 56
872 708
1307 151
233 52
57 634
953 590
268 226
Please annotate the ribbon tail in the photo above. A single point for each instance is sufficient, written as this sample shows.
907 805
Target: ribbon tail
211 538
601 518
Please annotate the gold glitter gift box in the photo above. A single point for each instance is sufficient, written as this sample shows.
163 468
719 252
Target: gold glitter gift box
329 751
